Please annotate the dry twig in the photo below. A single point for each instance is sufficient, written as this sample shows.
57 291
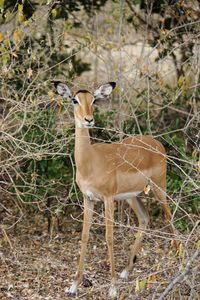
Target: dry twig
181 275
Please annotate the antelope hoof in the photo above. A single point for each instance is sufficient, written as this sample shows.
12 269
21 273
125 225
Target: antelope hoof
87 282
124 274
72 291
113 294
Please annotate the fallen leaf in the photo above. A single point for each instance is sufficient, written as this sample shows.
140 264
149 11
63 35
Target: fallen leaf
151 279
59 107
33 177
147 189
198 166
180 250
194 153
1 37
51 94
17 36
161 83
140 284
20 15
29 73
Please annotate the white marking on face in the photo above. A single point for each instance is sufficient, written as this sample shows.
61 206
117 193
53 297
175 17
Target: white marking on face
88 124
83 124
77 99
93 99
78 122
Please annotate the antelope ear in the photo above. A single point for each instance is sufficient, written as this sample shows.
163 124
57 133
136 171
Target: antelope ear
63 90
104 90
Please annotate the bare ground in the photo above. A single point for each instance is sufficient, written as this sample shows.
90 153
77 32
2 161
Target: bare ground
34 265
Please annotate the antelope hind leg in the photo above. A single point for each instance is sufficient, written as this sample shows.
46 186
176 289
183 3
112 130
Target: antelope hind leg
143 219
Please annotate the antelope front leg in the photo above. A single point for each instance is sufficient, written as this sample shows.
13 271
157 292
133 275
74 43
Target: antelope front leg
109 219
87 221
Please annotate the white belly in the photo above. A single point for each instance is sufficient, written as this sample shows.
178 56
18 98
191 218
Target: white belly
125 196
93 196
122 196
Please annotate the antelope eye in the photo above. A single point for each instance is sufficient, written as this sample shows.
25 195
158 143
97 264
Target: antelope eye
75 101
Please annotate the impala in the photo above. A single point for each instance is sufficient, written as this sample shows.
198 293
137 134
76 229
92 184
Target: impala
117 171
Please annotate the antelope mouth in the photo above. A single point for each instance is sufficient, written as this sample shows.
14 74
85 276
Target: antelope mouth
88 125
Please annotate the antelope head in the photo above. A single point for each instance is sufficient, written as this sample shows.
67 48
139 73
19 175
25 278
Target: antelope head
83 102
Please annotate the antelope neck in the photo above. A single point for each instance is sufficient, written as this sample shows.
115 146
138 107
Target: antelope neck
83 148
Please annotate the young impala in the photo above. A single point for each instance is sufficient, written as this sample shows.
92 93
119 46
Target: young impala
118 171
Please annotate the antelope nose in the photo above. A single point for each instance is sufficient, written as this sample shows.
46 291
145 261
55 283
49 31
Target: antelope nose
89 120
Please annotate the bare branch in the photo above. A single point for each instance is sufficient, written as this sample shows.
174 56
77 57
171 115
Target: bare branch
181 275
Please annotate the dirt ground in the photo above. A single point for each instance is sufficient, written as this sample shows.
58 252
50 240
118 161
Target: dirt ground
38 266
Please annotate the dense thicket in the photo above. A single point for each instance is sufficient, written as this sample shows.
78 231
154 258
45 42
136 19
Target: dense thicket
37 136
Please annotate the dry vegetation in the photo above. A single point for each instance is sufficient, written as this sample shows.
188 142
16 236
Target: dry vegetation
36 266
157 71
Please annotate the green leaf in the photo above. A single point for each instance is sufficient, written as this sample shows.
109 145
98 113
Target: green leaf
2 4
20 13
142 284
1 18
9 16
54 13
5 55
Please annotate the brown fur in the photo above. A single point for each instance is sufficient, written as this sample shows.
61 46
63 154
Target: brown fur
106 170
